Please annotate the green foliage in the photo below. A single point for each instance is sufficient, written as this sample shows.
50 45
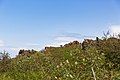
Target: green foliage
111 48
66 63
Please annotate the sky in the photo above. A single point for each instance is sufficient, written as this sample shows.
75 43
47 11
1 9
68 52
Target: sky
34 24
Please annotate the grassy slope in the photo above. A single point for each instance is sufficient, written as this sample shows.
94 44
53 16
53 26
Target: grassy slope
67 63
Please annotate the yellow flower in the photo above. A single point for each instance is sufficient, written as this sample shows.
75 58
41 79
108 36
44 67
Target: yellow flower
83 59
57 66
71 76
67 61
76 63
61 64
67 75
55 77
70 54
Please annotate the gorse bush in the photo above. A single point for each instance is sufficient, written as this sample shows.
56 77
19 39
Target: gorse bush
66 63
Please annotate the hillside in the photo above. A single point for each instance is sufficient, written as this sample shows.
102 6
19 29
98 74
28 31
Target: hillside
88 60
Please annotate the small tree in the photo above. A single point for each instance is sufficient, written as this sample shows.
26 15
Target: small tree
4 61
118 36
106 34
4 55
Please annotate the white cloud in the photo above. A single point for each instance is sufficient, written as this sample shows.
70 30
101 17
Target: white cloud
66 38
57 44
53 45
25 48
62 43
13 51
115 29
16 49
69 37
1 43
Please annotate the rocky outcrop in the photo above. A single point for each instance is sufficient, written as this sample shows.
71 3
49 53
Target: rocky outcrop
73 44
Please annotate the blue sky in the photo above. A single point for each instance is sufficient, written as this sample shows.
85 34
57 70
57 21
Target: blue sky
38 23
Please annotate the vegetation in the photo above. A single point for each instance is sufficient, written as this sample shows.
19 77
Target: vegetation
97 59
